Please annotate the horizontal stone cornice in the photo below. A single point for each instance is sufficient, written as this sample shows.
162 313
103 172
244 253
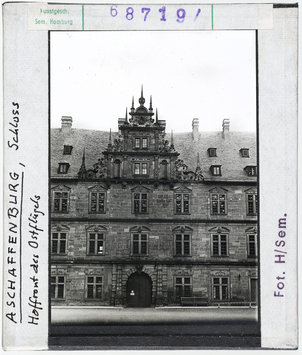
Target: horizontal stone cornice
153 261
67 219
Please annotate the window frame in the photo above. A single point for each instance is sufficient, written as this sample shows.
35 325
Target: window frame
140 202
254 242
219 244
63 168
94 290
253 203
245 152
140 141
96 242
56 285
59 240
212 152
182 212
220 285
218 203
182 284
54 198
67 149
98 192
140 169
182 243
139 241
214 171
251 170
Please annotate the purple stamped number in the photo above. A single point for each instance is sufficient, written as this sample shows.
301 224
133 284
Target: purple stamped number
113 10
181 14
129 13
146 10
163 13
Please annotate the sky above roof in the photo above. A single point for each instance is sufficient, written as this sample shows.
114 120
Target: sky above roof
210 75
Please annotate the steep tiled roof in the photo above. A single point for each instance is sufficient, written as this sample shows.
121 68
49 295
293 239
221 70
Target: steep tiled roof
95 142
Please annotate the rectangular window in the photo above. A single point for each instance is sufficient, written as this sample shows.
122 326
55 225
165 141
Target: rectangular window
182 244
245 153
140 168
144 169
67 149
182 203
219 245
57 287
63 168
96 243
137 142
60 201
137 168
58 243
216 170
145 142
97 202
183 287
140 202
212 152
252 245
218 203
251 170
139 243
94 287
220 288
252 204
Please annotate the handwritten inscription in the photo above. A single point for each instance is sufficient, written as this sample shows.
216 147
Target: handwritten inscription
13 127
33 242
14 275
280 255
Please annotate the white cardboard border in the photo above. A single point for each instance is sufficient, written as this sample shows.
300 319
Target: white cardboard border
26 83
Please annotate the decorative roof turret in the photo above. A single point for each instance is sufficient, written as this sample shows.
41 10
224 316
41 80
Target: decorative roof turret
198 172
141 116
82 171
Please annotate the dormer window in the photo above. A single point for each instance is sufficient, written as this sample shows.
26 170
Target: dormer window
245 153
67 149
212 152
215 170
251 170
63 168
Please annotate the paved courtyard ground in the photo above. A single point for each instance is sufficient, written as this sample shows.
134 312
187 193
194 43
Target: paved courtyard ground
104 328
151 316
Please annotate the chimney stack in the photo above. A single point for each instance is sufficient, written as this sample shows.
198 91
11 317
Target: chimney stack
66 124
195 129
226 128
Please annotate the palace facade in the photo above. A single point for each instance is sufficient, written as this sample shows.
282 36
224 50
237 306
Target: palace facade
143 218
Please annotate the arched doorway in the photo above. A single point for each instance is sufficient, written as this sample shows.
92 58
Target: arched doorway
139 290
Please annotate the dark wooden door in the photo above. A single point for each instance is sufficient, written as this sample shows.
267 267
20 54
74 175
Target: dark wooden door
139 290
254 290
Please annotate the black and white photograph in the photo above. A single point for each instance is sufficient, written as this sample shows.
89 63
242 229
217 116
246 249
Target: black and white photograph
154 180
150 176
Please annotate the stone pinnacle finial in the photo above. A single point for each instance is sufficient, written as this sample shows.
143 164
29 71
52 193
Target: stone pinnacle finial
172 140
150 108
142 99
132 107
